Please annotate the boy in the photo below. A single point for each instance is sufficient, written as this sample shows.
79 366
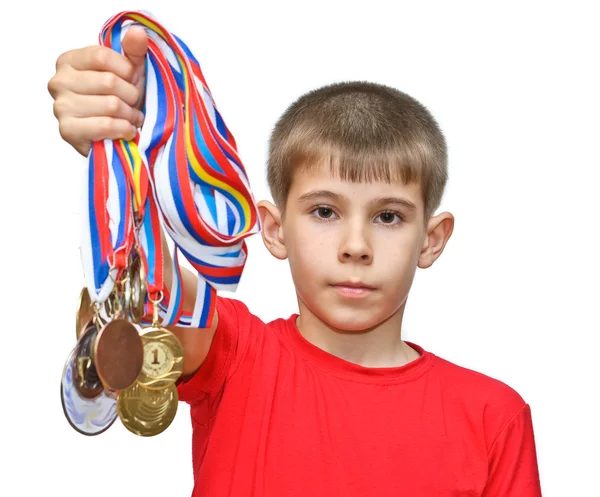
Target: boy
329 401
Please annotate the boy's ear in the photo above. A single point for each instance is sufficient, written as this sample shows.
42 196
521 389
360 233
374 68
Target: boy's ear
439 229
272 232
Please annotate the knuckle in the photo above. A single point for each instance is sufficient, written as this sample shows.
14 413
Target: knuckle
56 84
65 130
110 82
135 96
56 109
111 128
100 57
113 105
62 59
52 86
106 126
60 108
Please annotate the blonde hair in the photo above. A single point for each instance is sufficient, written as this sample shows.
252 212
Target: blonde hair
367 132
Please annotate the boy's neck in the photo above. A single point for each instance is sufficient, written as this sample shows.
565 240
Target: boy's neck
377 347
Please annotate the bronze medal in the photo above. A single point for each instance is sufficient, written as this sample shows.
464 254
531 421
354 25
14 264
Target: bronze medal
147 412
118 354
118 349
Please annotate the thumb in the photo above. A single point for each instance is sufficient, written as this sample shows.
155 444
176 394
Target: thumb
135 47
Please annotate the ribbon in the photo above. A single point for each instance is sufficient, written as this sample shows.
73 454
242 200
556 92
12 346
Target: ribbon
107 229
182 173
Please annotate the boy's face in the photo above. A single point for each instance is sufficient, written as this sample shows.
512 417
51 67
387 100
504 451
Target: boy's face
353 248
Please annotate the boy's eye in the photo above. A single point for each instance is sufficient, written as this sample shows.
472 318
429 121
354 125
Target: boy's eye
389 217
324 212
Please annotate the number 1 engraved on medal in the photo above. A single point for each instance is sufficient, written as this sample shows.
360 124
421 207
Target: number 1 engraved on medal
158 359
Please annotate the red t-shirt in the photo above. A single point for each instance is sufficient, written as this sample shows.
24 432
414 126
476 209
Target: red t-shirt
275 416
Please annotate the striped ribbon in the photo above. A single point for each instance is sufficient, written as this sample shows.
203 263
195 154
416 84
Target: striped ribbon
181 173
108 227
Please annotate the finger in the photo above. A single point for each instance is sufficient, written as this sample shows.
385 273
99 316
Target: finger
135 47
97 58
74 105
94 83
79 131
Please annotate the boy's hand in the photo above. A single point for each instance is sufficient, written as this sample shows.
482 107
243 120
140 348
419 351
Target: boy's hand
99 93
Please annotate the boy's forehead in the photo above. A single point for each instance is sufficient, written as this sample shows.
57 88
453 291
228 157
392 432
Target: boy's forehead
322 179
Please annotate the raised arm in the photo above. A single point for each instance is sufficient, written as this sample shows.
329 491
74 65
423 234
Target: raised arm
196 342
98 94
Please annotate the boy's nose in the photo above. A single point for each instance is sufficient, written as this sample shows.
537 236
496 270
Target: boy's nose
356 247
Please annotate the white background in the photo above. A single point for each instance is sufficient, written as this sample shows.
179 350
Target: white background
514 86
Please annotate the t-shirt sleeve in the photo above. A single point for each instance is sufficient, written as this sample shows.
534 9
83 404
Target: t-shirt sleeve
227 346
512 459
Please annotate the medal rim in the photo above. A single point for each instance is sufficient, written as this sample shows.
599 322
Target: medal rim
84 297
64 408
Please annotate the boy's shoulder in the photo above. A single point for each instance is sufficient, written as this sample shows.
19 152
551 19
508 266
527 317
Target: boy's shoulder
477 386
481 396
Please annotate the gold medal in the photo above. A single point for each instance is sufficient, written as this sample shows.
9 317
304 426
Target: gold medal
147 412
163 356
85 312
163 359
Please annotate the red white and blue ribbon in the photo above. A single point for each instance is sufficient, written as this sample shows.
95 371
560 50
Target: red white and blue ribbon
107 228
181 173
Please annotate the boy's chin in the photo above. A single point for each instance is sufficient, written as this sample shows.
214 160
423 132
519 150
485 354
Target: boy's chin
351 319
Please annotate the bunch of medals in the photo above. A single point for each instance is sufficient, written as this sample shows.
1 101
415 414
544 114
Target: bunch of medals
114 370
182 174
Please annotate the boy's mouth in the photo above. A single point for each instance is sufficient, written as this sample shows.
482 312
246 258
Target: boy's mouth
353 288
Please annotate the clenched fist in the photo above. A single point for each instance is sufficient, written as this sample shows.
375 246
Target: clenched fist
98 93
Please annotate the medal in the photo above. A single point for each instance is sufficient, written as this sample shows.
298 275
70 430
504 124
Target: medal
138 292
149 406
85 312
147 412
118 354
163 356
163 359
87 416
84 375
118 349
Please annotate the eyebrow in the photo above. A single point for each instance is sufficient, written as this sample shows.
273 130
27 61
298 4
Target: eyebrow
395 200
376 201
